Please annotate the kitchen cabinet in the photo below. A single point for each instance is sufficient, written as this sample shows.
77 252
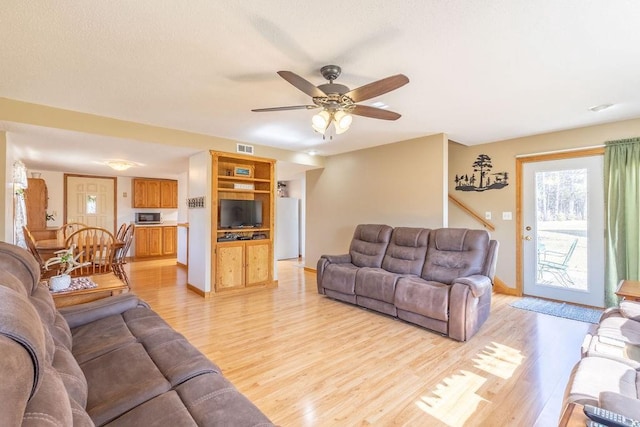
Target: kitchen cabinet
36 201
155 241
154 193
169 240
242 264
169 194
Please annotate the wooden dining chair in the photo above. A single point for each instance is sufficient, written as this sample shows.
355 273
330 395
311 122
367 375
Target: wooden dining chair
94 246
65 230
31 246
120 257
121 231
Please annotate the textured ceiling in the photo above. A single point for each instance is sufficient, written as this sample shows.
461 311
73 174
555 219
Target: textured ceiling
479 71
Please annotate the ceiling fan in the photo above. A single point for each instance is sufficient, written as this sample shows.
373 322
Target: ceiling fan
337 101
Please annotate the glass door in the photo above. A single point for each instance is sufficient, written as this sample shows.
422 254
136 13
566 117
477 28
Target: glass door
563 220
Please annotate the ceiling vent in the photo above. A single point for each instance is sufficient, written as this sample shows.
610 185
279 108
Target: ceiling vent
244 148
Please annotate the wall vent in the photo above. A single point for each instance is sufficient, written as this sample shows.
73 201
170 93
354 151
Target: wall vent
244 148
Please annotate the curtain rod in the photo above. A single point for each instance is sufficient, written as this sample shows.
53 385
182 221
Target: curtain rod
568 150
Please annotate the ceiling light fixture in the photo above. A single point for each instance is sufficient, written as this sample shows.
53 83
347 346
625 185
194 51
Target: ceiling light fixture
600 107
325 118
120 165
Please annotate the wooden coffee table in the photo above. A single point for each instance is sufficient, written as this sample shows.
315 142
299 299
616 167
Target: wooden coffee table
629 290
108 285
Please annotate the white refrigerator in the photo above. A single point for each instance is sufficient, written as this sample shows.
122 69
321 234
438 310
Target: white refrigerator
287 227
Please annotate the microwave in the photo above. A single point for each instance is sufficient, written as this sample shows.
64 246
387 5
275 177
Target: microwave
148 218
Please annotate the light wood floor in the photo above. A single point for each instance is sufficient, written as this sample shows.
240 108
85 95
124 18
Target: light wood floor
306 360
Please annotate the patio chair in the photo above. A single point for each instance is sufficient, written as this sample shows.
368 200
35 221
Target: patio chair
557 263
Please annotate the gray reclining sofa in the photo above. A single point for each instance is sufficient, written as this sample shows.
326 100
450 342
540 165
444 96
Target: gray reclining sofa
109 362
439 279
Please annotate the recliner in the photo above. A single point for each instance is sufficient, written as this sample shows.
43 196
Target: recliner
438 279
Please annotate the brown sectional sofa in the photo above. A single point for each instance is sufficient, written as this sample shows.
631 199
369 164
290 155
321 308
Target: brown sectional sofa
439 279
110 362
608 375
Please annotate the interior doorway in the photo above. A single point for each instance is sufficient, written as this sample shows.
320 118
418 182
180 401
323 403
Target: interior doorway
90 200
561 227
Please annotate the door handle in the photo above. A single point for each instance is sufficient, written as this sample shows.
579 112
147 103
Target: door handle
526 238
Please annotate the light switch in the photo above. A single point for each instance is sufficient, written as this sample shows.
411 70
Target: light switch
124 194
507 216
487 215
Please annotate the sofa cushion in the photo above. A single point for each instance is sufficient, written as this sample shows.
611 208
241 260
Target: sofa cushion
621 329
593 375
454 253
369 244
100 337
72 376
426 298
164 410
213 400
21 264
121 380
376 283
406 251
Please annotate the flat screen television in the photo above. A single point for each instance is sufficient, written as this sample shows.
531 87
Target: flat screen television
240 213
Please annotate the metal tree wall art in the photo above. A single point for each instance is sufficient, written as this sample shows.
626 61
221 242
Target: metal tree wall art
485 180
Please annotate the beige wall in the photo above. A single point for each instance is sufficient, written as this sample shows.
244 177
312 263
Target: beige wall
41 115
503 154
401 184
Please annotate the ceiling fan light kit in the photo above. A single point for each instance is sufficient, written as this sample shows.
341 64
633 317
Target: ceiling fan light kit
338 103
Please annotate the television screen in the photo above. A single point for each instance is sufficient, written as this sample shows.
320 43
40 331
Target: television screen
240 213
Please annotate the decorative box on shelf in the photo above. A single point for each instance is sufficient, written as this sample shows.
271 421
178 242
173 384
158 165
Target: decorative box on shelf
243 186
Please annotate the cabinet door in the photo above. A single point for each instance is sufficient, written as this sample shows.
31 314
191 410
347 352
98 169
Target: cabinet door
139 193
230 266
169 240
258 262
155 241
169 194
153 194
141 241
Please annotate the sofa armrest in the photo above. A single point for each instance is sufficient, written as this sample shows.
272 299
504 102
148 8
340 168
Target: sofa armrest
630 310
477 284
323 262
337 259
81 314
621 404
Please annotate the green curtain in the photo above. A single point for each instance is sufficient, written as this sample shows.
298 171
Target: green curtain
622 213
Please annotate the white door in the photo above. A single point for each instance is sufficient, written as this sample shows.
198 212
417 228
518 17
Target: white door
563 220
91 201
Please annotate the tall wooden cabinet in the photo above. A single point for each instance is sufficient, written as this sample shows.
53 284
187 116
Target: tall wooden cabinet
36 201
242 256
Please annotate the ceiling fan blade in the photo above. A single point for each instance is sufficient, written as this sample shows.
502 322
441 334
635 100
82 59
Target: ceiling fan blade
292 107
377 88
302 84
375 113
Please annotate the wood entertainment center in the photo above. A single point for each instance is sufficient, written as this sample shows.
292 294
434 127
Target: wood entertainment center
242 255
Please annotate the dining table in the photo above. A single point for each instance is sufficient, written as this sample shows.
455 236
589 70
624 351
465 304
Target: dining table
47 248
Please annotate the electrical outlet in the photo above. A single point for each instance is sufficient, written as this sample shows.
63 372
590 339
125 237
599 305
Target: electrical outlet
487 215
124 194
507 216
